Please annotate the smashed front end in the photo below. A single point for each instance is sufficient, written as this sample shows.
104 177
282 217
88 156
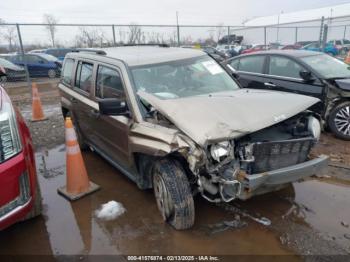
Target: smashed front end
262 161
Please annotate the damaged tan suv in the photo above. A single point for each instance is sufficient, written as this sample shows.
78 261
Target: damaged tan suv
174 120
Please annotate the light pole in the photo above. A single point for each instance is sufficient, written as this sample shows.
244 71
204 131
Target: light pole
278 26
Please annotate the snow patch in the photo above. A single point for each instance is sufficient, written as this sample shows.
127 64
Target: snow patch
110 210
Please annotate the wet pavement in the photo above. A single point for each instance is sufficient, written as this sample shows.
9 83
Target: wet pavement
316 207
310 217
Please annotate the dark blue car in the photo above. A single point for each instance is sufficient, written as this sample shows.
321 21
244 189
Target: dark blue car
39 65
59 53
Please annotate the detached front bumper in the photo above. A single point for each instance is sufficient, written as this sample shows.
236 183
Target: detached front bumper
268 181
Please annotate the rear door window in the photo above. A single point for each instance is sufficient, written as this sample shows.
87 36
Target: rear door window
285 67
234 64
109 83
67 72
83 79
253 64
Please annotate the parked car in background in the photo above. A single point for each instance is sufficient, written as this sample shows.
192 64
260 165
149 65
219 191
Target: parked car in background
59 53
20 193
304 72
343 45
10 71
216 54
175 120
255 48
329 49
39 64
290 47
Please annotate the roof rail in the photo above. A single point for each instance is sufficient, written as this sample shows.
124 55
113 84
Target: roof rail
90 50
160 45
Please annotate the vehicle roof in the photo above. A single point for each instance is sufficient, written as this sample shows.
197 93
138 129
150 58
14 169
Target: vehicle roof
144 55
290 53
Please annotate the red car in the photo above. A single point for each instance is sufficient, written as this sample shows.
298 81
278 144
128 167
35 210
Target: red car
19 190
255 49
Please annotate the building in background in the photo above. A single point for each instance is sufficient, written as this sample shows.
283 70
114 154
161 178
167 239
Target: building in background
287 28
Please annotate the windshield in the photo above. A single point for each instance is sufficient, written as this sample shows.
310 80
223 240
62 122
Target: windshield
327 66
50 58
183 78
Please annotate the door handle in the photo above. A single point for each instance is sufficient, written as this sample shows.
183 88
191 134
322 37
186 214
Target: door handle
73 100
269 84
94 113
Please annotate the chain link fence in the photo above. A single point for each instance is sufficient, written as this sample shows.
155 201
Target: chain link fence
34 52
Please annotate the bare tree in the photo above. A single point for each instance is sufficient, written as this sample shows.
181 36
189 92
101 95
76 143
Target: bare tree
51 22
220 31
90 38
134 34
10 35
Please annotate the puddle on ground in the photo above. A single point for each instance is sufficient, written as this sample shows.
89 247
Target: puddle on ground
73 228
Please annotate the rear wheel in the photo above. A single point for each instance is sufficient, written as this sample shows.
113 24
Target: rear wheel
3 79
173 194
339 121
51 73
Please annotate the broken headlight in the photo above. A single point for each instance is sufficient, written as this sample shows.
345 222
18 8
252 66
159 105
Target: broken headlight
220 150
10 143
314 127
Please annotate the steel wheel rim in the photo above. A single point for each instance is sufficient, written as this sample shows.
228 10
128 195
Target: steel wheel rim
164 202
52 73
342 120
3 79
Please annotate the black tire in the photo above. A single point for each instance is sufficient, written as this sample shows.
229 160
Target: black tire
181 213
37 207
83 146
339 121
3 79
51 73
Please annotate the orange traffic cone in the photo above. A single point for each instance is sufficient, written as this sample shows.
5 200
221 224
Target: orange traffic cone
347 58
78 184
37 110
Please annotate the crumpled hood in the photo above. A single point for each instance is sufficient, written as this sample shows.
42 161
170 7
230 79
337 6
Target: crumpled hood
227 115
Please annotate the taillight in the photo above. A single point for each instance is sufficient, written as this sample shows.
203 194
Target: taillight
10 143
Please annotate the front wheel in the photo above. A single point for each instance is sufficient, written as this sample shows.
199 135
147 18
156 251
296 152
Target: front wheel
3 79
339 121
173 194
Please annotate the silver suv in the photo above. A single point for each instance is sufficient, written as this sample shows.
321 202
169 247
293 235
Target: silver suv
174 120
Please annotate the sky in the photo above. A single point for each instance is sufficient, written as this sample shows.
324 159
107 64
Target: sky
194 12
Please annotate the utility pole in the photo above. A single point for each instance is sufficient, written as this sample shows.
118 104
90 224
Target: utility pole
278 26
22 54
178 28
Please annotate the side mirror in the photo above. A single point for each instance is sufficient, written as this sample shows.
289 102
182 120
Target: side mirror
113 106
306 75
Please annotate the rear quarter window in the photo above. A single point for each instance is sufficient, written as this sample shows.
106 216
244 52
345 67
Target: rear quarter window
67 72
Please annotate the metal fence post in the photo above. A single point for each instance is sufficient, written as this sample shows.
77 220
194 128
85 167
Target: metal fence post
228 35
265 36
178 35
22 53
296 34
113 31
344 32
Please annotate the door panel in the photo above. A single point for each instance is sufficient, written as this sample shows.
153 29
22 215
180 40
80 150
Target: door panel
283 74
82 105
112 132
250 71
